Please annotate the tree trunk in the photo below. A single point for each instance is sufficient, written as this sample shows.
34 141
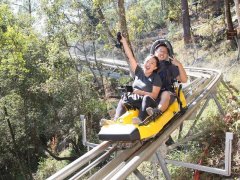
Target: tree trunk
186 22
228 15
30 7
237 12
238 27
229 22
123 24
122 17
217 8
16 151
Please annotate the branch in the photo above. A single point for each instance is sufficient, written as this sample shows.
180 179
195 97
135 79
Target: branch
111 38
20 6
72 158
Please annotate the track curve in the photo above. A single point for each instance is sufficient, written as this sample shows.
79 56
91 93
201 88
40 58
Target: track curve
202 83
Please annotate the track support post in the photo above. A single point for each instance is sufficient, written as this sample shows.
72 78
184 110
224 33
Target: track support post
163 165
225 172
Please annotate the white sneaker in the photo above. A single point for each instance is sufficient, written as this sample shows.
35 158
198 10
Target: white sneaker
155 112
104 122
136 120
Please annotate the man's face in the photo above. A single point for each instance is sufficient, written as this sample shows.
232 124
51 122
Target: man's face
162 53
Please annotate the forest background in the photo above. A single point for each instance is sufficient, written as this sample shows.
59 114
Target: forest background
47 81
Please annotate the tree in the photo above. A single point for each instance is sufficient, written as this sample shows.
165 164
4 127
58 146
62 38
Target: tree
237 11
228 15
123 23
186 22
230 28
238 27
14 80
41 96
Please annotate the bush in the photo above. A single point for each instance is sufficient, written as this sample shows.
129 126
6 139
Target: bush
49 166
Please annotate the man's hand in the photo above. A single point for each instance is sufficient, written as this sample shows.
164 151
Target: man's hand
175 61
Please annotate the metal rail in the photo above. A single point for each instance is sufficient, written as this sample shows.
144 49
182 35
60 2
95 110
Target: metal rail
125 162
140 155
150 149
75 165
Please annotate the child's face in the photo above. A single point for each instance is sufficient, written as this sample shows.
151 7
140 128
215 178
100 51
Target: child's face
150 65
161 53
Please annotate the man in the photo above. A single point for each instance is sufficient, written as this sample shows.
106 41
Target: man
170 69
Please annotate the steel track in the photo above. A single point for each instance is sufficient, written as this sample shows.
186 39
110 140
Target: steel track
203 83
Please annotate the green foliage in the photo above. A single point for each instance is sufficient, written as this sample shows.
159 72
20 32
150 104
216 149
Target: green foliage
137 23
143 17
41 90
191 152
48 166
173 31
13 45
156 14
13 103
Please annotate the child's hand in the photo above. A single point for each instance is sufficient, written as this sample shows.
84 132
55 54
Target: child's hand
123 39
139 92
